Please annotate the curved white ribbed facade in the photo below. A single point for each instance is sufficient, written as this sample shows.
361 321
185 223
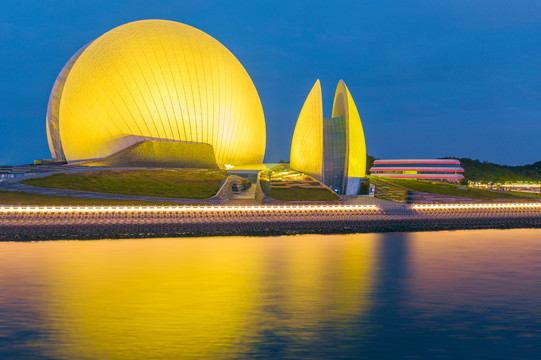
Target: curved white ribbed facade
157 80
53 108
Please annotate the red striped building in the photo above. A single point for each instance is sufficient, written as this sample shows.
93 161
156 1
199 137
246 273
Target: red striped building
428 169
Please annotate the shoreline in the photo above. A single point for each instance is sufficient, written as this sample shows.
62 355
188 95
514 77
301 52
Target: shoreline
137 234
90 223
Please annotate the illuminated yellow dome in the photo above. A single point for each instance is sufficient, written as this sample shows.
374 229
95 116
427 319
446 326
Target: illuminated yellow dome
155 80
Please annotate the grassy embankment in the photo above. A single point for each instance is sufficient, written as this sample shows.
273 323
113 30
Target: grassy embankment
453 190
21 198
157 183
526 194
263 184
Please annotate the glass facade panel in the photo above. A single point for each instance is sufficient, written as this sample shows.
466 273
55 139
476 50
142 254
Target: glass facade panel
334 152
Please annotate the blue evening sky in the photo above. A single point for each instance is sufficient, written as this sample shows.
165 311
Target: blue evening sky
430 78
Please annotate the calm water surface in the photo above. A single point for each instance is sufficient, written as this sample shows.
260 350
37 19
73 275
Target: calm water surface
432 295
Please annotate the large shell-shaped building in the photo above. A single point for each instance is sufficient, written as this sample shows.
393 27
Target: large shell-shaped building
332 150
155 80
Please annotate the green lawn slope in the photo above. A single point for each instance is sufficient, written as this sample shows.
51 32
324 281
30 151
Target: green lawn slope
453 190
158 183
21 198
163 154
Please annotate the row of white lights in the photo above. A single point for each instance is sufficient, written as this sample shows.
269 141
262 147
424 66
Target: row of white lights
181 208
8 209
477 206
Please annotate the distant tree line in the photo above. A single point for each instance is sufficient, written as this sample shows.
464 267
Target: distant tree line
369 162
475 170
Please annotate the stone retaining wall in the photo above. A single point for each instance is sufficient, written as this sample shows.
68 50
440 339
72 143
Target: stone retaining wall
226 189
418 197
197 222
389 192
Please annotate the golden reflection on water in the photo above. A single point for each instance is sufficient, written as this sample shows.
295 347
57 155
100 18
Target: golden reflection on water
190 298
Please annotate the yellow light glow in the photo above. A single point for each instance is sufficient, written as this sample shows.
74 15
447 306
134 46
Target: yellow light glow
188 298
156 79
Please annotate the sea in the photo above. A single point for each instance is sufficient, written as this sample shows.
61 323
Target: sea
468 294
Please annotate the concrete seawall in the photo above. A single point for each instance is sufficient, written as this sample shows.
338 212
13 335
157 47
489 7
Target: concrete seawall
20 224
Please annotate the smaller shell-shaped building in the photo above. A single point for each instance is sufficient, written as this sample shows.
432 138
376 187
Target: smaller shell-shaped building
332 150
307 144
158 81
356 145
